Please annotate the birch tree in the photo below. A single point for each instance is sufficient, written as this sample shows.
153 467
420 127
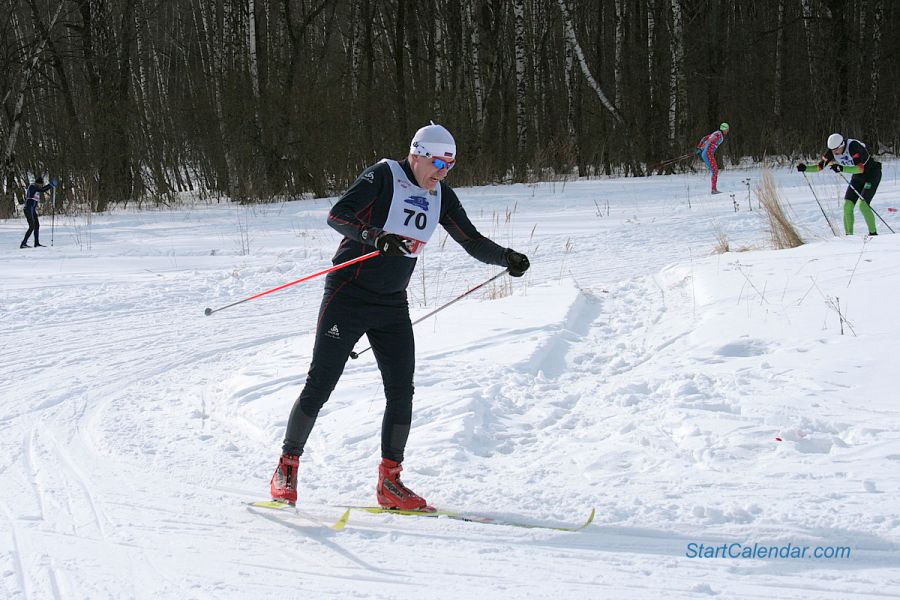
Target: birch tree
572 40
877 19
521 98
677 91
620 53
475 59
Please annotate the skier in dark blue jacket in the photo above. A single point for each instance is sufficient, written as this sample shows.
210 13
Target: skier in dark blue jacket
33 196
394 206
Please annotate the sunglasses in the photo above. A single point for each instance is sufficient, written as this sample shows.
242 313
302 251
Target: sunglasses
440 163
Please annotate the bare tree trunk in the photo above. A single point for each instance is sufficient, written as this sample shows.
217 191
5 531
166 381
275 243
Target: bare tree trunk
265 149
620 53
355 48
438 63
569 30
779 69
400 65
651 49
154 152
475 57
571 94
861 65
877 19
141 71
368 11
252 44
839 43
226 178
296 34
677 91
809 33
521 109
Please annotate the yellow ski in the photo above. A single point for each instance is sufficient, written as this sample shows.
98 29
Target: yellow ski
459 516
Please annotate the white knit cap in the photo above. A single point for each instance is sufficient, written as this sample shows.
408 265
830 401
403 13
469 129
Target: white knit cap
433 140
835 140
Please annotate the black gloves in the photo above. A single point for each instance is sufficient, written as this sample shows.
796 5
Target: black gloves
391 244
517 263
801 167
837 168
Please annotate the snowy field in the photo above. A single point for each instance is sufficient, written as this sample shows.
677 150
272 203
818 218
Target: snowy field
691 397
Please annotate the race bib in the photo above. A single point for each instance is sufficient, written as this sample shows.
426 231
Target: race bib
414 213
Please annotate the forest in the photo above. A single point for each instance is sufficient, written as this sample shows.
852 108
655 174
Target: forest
137 101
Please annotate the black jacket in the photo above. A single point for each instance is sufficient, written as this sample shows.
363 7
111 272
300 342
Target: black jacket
359 216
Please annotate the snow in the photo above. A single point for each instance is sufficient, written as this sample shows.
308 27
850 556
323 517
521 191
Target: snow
632 369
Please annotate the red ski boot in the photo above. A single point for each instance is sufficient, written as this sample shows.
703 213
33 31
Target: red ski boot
284 481
392 493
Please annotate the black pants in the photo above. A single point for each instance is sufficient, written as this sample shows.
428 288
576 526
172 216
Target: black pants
33 223
866 183
345 315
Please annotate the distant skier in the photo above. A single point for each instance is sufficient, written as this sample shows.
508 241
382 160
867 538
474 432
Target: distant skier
706 150
852 156
395 207
33 197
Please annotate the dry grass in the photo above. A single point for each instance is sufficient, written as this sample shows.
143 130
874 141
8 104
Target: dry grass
500 288
722 243
781 230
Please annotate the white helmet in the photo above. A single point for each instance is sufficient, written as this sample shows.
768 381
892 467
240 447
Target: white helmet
433 140
835 140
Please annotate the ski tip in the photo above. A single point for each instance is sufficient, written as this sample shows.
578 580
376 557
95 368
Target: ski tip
342 522
590 518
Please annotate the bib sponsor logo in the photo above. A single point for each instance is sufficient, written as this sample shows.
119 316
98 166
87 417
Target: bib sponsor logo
418 201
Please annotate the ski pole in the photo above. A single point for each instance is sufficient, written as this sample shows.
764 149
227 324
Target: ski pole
844 177
355 355
678 158
352 261
54 182
669 161
816 196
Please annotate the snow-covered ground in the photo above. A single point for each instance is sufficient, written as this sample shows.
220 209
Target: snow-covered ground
632 370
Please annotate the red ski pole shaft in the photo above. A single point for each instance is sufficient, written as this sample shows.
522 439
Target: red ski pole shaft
353 261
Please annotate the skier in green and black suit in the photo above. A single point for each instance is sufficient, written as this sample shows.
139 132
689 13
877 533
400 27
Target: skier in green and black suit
852 156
